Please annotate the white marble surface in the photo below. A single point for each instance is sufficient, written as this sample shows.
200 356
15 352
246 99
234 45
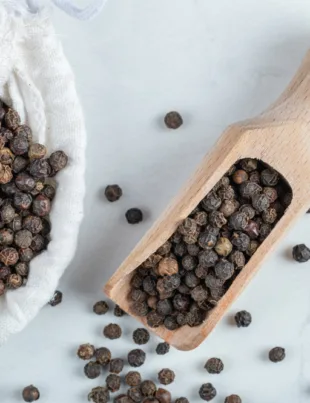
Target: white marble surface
215 62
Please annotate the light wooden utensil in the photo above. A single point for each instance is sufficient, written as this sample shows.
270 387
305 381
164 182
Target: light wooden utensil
279 137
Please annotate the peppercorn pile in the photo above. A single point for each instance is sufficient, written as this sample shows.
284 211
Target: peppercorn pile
188 275
25 197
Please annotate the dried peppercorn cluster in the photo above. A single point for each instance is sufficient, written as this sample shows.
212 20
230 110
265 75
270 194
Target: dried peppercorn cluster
187 276
25 197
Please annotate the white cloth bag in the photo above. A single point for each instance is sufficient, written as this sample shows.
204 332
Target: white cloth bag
36 79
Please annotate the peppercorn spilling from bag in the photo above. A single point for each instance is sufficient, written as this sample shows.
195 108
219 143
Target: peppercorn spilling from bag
25 198
181 282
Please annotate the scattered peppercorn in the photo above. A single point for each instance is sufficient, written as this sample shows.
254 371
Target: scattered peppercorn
173 120
86 351
243 319
207 392
233 399
103 355
166 376
214 366
277 354
134 216
112 331
133 378
162 348
101 308
163 395
181 400
148 388
56 299
141 336
118 311
136 358
92 369
113 193
100 395
301 253
113 382
116 365
31 394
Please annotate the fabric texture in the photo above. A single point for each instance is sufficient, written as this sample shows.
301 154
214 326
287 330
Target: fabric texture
36 79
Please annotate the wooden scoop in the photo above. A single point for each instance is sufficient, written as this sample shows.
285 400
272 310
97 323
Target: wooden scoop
279 137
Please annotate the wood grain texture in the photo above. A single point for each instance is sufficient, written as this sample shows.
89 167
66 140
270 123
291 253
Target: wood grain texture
280 137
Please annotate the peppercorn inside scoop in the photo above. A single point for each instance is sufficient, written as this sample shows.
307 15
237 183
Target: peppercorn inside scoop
187 276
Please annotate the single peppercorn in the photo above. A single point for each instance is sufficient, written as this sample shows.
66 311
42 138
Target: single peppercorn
193 249
228 207
112 331
136 358
23 238
58 160
6 236
163 395
224 269
233 399
207 240
40 169
181 400
92 369
248 164
9 256
166 376
168 266
101 395
301 253
162 348
171 323
249 189
101 308
223 247
118 311
269 177
49 191
31 394
173 120
19 145
237 258
140 308
243 319
133 378
41 205
238 221
260 202
240 240
25 255
33 224
207 392
214 366
277 354
86 351
113 382
7 213
148 388
113 193
37 151
141 336
116 365
211 202
56 298
103 355
135 394
213 282
164 307
201 218
240 176
25 182
217 219
19 164
134 216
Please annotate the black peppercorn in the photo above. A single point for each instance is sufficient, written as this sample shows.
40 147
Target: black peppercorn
134 216
201 272
162 348
112 331
19 145
58 160
9 256
260 202
19 164
33 224
135 394
163 395
217 219
140 308
164 307
136 358
6 236
173 120
233 399
7 213
201 218
207 392
211 202
116 365
154 319
277 354
301 253
224 269
189 262
171 323
113 193
240 176
49 191
249 189
241 241
148 388
193 249
238 259
113 382
101 307
118 311
243 319
181 400
41 205
214 366
180 249
212 282
166 376
23 238
103 355
101 395
133 378
25 255
92 370
199 293
56 298
269 177
248 164
228 207
207 240
31 394
238 221
40 169
22 201
86 351
141 336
